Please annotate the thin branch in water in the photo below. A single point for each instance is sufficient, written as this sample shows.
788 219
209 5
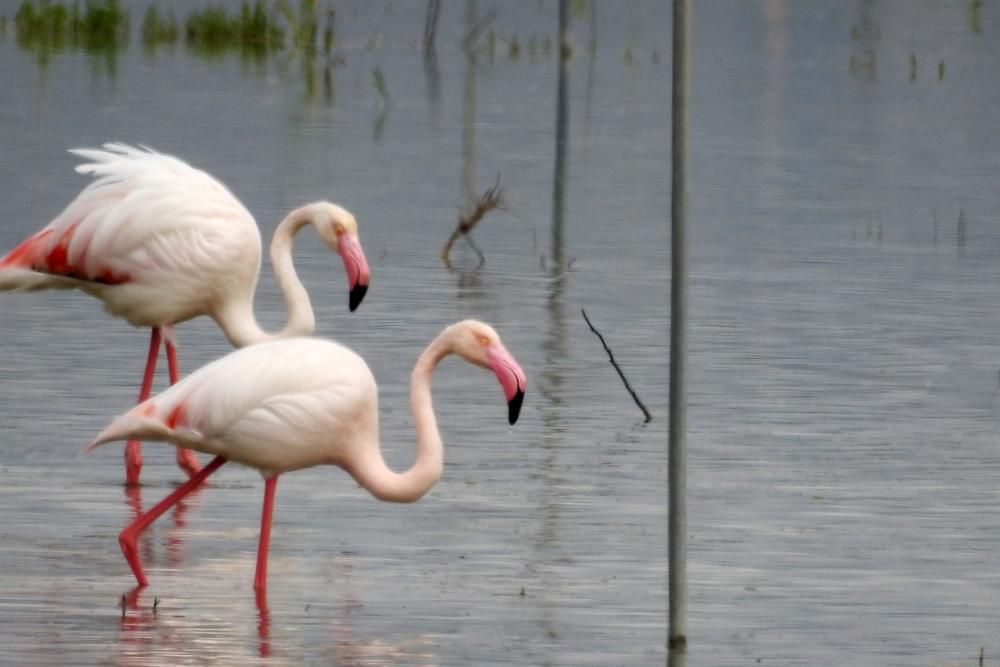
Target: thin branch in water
611 358
490 200
475 248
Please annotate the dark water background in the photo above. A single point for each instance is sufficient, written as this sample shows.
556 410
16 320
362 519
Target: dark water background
844 387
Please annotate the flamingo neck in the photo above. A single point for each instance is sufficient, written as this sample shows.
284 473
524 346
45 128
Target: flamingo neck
410 485
239 323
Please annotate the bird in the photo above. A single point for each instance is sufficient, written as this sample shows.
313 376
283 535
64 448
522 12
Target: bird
291 404
160 242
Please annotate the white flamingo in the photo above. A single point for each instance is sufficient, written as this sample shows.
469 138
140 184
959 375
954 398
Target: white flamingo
160 242
293 404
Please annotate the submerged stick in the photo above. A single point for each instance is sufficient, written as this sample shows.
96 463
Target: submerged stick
611 358
490 200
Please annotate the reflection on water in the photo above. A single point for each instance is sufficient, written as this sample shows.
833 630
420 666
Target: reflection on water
432 72
843 408
175 533
469 105
263 622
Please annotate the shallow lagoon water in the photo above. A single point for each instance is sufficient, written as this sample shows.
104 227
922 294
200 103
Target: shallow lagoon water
843 431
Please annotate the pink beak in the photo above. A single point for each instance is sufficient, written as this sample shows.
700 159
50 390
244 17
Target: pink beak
357 268
512 378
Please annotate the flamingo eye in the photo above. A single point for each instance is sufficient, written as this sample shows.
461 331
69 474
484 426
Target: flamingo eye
338 229
483 340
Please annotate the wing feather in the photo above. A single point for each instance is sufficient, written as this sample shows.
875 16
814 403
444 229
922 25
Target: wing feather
276 406
147 217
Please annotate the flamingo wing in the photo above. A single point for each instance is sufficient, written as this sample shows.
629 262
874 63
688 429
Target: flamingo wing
276 406
147 219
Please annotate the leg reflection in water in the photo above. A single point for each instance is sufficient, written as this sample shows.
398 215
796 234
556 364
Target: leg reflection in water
175 541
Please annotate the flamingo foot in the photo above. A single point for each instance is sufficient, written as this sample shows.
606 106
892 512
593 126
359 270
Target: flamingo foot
127 540
188 461
133 463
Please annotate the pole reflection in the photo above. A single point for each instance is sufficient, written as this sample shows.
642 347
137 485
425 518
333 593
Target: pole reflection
470 282
431 71
469 106
554 347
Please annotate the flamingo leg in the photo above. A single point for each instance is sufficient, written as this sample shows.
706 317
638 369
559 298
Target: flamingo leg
260 578
186 458
129 536
264 623
133 451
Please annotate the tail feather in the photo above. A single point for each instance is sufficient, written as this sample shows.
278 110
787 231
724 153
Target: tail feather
134 426
18 279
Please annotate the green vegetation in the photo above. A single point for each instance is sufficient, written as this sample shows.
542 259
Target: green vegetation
158 28
213 31
103 26
329 34
975 24
302 24
45 28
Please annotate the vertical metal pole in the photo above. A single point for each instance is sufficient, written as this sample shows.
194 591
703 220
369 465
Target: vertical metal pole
562 139
677 471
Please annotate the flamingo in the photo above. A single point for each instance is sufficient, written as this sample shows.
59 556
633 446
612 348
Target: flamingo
292 404
160 242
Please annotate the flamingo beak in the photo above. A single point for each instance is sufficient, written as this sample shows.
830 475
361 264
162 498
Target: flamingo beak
356 266
511 376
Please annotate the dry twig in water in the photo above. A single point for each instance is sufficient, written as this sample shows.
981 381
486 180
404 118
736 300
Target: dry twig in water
490 200
611 358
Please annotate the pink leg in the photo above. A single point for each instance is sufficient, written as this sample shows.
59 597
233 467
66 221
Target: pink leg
186 459
128 537
133 453
264 623
260 579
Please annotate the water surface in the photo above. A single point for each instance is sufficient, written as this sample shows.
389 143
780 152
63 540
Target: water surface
843 437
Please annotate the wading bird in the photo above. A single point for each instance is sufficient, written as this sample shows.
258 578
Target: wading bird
160 242
293 404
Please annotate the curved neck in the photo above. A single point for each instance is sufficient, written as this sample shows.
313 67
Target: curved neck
237 319
408 486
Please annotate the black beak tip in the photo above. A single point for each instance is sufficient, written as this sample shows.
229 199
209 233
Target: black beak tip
356 296
514 407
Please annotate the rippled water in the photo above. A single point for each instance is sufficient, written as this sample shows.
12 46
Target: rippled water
843 399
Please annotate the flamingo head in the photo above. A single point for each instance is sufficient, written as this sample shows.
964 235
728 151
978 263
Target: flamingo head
478 343
339 230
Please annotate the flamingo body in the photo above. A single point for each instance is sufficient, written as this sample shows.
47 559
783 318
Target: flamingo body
277 406
160 242
295 403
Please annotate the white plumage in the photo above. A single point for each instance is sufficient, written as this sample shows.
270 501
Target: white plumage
291 404
277 406
160 242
